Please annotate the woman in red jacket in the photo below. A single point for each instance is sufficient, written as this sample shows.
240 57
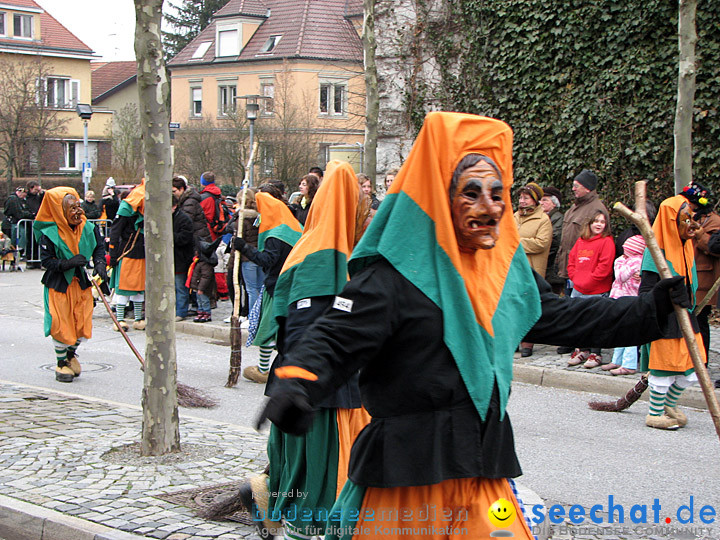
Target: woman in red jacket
590 268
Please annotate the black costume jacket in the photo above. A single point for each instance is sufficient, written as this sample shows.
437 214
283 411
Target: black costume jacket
425 428
54 278
271 259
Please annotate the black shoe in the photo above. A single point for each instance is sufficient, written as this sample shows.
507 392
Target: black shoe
717 383
525 352
565 350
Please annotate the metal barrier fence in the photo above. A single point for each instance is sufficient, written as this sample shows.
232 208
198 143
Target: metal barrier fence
25 240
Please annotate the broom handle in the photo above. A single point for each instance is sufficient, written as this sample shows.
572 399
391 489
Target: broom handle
114 318
683 317
239 233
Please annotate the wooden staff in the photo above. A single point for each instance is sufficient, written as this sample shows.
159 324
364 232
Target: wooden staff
235 330
187 395
683 317
708 296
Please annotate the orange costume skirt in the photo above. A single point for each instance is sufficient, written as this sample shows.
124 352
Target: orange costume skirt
68 315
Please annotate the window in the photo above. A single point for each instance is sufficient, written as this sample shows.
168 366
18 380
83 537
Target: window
228 43
71 155
22 26
268 90
201 50
332 98
196 101
61 92
270 44
2 23
226 99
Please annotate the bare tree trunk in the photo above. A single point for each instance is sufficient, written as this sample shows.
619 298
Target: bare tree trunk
372 100
687 38
160 430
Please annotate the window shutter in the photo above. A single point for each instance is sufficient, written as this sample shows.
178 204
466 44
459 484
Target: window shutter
74 92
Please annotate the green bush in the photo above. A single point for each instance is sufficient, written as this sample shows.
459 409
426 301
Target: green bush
584 84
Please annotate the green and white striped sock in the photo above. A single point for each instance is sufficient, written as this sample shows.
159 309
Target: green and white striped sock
657 403
138 306
120 312
673 395
61 355
264 362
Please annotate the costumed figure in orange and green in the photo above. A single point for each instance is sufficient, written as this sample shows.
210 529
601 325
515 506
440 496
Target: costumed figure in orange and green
441 294
278 232
68 241
307 471
668 360
127 256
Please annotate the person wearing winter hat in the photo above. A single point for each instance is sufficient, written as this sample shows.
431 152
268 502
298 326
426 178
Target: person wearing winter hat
212 204
627 283
586 204
550 203
535 231
707 263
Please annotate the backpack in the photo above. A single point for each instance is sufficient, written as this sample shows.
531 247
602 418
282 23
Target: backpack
221 215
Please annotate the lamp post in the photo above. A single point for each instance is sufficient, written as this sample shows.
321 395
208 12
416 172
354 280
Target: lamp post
85 112
252 108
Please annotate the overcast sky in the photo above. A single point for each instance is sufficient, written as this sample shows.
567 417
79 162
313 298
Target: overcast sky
106 26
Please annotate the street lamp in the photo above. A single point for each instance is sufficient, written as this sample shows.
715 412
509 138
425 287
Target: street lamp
252 108
85 112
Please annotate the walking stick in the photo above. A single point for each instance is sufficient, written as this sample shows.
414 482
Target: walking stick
683 317
235 330
708 296
187 395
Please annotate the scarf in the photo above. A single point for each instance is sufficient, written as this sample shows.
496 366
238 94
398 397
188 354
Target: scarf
488 298
51 222
276 221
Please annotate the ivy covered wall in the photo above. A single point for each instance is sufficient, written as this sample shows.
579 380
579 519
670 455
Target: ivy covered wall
584 84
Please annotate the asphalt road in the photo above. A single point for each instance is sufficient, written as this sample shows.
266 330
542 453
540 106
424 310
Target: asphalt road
569 453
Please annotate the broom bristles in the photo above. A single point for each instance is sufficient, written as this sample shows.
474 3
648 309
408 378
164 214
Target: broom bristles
192 397
223 508
624 402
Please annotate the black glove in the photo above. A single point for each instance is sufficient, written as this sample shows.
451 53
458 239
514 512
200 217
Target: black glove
667 292
78 261
101 271
112 263
73 262
240 243
291 413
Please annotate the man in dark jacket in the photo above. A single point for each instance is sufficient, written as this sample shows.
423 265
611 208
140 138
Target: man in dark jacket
16 208
189 202
183 255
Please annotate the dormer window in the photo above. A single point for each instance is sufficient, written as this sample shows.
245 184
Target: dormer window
23 26
2 24
201 50
270 44
228 42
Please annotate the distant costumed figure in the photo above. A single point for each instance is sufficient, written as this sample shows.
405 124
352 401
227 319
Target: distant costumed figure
68 241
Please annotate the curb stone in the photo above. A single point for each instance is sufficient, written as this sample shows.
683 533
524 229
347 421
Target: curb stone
24 521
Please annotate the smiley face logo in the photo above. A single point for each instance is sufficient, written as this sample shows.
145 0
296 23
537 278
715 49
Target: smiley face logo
501 513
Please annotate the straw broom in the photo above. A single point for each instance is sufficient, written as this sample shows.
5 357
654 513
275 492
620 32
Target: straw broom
640 219
235 330
187 395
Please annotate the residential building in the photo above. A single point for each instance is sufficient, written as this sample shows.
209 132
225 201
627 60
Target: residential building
304 58
31 39
114 85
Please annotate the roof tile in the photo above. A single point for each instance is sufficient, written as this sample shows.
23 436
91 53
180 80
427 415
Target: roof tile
109 75
309 29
